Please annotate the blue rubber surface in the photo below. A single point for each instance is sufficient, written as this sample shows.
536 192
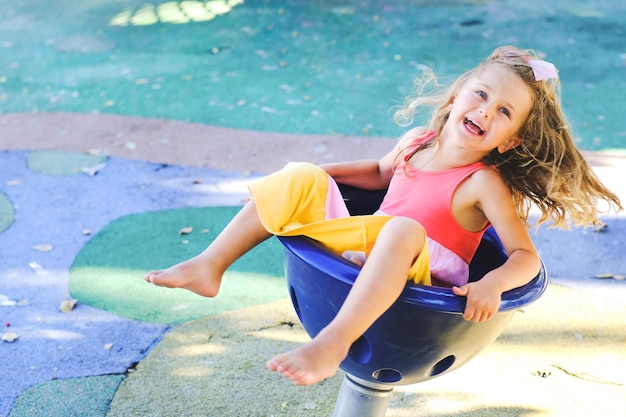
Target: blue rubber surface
53 214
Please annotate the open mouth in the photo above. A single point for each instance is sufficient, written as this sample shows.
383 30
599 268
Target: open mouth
473 127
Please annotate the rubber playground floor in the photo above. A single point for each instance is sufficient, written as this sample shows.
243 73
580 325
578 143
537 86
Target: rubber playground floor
129 130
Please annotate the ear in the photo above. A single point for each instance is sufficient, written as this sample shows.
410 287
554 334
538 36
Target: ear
450 102
509 144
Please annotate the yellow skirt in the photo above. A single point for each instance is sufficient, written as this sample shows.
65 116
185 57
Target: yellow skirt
292 202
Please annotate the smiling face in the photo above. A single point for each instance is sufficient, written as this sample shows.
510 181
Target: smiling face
488 110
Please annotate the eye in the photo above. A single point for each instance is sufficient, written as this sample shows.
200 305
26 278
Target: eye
506 112
481 94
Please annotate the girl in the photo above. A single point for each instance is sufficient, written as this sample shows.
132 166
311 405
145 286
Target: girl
496 144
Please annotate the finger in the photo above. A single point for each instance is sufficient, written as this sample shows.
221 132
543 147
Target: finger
460 291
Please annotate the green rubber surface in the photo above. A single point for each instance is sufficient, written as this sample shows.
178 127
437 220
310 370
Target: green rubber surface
63 162
90 396
108 272
7 212
298 66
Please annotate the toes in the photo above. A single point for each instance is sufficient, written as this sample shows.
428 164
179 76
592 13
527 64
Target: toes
272 365
283 366
152 277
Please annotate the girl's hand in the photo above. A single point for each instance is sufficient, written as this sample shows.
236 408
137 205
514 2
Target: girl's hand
483 300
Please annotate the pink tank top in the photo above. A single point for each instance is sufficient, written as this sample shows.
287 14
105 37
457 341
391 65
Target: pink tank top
426 196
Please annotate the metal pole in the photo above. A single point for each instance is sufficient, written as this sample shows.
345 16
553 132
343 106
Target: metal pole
359 398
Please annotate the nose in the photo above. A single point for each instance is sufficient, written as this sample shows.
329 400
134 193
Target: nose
485 110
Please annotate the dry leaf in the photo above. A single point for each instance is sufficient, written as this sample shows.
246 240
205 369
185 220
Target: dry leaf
542 374
185 230
603 276
44 247
92 171
6 301
37 268
67 305
10 337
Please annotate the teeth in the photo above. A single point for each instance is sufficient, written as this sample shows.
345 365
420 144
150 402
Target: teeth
473 126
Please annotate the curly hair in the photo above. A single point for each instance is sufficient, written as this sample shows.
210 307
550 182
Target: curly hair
546 169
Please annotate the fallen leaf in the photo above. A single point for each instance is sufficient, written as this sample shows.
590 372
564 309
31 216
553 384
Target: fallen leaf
91 171
185 230
6 301
603 276
542 374
44 247
10 337
267 109
67 305
37 268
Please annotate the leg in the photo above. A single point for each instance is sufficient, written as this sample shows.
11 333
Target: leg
202 274
379 284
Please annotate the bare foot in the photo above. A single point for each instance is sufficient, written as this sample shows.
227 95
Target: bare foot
310 363
195 274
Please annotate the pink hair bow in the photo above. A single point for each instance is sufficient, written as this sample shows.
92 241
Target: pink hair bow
543 70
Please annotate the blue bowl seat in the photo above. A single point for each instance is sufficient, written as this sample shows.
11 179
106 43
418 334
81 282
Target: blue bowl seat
423 334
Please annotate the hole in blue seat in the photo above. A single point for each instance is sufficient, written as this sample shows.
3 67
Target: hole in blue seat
443 365
294 301
361 351
387 375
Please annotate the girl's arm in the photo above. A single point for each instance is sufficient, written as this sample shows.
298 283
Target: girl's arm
370 174
495 201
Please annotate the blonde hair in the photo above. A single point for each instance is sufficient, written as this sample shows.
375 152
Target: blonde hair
545 169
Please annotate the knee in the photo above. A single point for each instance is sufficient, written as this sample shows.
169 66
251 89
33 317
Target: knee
305 173
406 232
303 168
